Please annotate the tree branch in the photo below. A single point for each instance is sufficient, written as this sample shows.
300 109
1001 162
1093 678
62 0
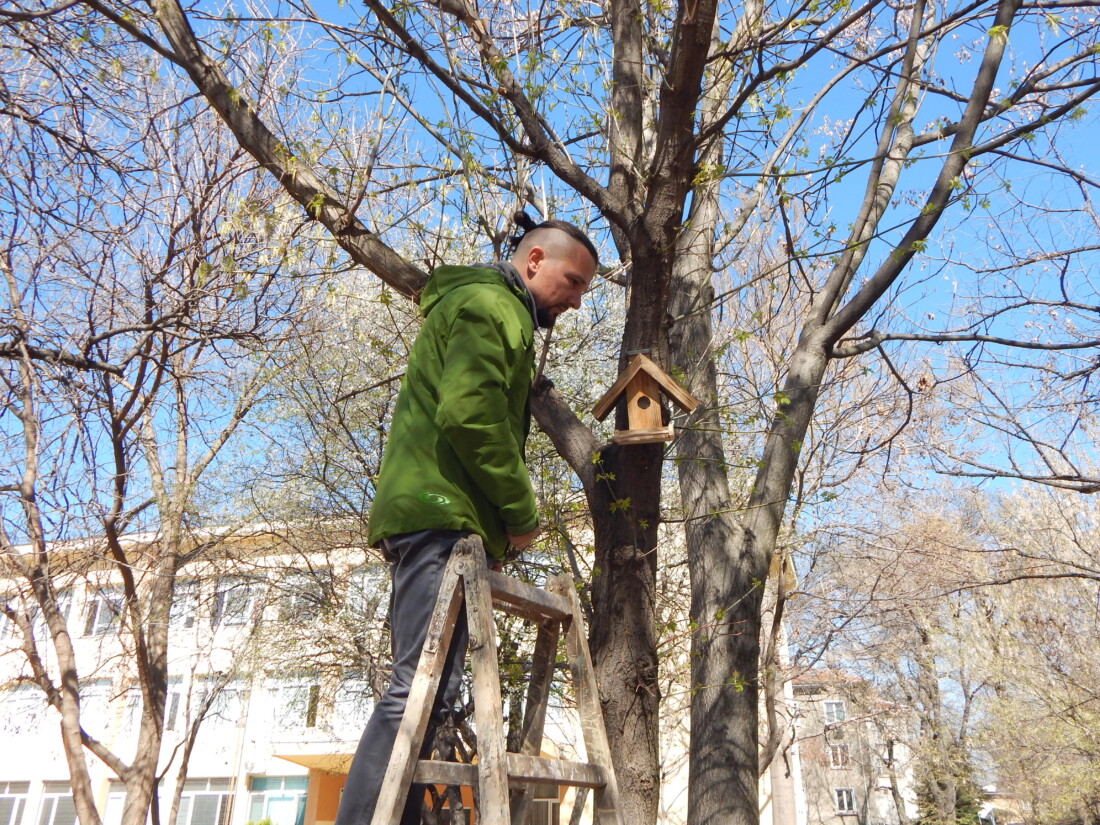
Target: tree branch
13 351
544 145
956 160
874 339
37 15
572 439
293 174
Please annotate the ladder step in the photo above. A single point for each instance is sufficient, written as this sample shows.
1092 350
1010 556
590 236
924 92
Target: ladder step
525 600
521 769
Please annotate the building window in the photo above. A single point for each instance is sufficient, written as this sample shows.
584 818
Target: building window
8 627
13 798
294 705
185 603
312 703
227 707
351 706
368 592
57 806
64 604
95 706
205 802
116 802
103 612
234 601
304 595
835 712
282 799
131 718
545 805
845 800
838 756
25 711
173 707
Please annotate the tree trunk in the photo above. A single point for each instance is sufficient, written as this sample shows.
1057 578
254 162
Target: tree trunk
141 778
729 566
895 786
723 764
624 504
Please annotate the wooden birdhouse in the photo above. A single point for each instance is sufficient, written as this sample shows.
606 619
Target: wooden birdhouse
642 383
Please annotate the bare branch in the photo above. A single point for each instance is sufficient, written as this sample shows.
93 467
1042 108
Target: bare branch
54 356
38 15
872 340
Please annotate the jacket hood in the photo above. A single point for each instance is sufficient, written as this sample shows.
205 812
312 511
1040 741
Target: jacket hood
446 278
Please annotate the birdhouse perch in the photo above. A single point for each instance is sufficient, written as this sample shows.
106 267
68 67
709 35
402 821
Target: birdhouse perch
641 383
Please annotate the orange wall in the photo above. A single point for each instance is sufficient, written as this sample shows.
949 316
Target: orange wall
324 797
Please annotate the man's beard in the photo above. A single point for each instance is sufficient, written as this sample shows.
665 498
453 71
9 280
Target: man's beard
545 319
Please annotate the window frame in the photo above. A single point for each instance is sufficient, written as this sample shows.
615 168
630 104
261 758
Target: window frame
840 755
839 796
263 790
227 709
185 604
545 805
229 589
304 596
174 706
19 794
294 704
55 795
109 602
835 711
222 789
368 591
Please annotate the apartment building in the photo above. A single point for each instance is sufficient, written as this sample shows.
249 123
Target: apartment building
275 664
856 768
274 671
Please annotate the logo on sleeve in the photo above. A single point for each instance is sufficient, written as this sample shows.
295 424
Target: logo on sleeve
434 498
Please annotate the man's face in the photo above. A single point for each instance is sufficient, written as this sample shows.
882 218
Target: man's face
558 279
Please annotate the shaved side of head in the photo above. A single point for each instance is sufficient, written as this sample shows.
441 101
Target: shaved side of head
556 243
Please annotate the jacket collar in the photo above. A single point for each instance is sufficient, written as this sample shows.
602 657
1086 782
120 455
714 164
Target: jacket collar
514 281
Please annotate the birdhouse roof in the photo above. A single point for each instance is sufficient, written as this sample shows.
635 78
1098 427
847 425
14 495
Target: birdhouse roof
639 363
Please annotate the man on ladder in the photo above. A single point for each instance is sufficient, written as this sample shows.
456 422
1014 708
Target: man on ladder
454 462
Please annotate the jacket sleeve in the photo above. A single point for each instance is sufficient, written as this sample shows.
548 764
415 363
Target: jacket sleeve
485 355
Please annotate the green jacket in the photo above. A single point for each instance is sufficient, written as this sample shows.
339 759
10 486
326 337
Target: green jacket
455 455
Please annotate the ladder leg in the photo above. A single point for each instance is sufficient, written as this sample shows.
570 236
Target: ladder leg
414 723
488 712
534 712
608 811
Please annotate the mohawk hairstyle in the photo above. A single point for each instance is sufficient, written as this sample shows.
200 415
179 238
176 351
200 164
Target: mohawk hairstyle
527 225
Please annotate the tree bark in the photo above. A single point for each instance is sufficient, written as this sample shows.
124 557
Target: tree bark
624 503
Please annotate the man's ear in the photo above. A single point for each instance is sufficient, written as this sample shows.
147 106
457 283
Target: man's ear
535 257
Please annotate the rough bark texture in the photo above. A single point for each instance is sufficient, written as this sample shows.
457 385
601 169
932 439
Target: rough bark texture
622 634
723 784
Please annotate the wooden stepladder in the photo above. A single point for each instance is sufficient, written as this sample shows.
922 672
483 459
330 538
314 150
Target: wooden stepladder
557 611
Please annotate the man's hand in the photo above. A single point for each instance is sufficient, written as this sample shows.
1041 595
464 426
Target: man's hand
522 542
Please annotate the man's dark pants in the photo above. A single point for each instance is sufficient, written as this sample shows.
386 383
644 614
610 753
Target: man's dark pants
416 575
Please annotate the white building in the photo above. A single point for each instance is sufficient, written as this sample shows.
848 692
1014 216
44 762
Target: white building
274 647
279 643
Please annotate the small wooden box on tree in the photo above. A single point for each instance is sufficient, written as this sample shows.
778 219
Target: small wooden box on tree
642 383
